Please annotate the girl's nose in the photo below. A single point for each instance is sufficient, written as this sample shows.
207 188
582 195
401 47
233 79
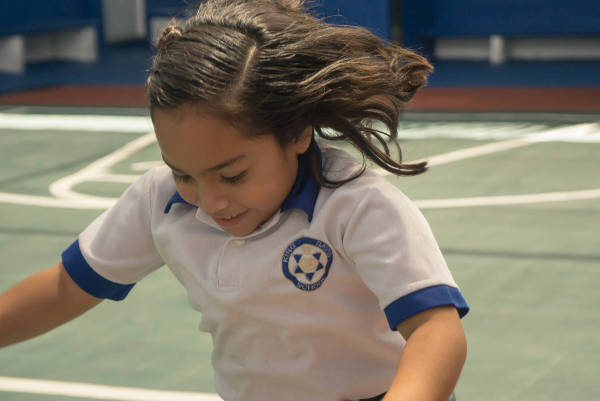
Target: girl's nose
211 200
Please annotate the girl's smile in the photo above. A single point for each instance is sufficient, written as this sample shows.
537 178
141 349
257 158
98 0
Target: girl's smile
229 220
240 181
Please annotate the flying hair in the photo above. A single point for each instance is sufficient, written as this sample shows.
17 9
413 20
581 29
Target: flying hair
269 67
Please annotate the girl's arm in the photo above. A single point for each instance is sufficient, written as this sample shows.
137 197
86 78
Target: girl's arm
434 355
40 303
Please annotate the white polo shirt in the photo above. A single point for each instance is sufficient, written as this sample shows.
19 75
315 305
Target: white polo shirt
303 308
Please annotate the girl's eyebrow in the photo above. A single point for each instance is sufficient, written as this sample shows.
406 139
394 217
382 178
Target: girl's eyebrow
170 165
210 169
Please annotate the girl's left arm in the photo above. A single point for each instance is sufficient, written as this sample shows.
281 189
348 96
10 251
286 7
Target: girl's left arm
433 357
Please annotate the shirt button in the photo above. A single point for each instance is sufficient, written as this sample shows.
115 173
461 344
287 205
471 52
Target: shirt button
239 242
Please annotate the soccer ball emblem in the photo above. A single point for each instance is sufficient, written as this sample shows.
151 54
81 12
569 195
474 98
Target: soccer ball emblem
306 263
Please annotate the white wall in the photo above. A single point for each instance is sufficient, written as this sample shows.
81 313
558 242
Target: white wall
499 49
124 20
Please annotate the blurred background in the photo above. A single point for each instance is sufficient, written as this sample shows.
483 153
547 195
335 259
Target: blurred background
549 45
510 125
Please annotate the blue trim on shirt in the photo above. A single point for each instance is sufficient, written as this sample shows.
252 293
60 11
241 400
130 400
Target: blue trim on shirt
176 198
90 281
304 193
427 298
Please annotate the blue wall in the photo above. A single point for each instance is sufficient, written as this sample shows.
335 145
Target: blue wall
18 16
426 19
170 8
373 14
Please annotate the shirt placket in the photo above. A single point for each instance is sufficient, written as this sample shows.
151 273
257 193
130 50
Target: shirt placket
233 257
231 264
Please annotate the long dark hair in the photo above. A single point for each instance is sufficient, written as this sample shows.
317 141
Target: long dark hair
269 67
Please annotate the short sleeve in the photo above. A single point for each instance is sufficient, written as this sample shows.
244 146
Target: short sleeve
396 254
117 249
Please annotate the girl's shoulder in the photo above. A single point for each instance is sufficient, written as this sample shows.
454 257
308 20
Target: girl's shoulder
372 188
362 209
158 180
339 164
153 189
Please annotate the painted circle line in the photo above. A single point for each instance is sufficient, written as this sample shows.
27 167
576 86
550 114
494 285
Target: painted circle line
66 197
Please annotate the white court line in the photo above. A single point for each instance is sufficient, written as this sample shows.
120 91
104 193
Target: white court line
49 201
509 199
105 203
495 116
63 188
474 152
92 123
66 197
579 132
118 178
100 392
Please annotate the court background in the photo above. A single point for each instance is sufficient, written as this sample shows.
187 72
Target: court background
528 270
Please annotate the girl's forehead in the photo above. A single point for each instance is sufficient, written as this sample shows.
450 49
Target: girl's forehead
199 117
177 120
184 111
194 141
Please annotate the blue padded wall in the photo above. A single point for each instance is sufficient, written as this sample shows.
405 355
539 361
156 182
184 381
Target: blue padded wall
170 8
427 19
42 15
516 17
373 14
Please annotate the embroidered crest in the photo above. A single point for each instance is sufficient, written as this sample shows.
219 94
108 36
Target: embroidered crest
306 263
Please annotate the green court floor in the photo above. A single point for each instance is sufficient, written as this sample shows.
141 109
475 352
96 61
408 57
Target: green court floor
519 224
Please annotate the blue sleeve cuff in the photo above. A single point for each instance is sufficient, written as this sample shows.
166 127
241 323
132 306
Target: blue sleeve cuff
427 298
90 281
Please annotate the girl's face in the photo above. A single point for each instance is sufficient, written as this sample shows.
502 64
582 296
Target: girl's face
239 181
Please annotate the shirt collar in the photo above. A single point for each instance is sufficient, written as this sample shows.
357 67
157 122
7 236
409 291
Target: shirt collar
303 194
176 198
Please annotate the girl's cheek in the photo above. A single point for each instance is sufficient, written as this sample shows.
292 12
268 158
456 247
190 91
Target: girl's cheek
253 194
187 192
259 197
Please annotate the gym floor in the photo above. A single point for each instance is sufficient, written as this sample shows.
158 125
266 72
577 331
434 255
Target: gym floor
512 196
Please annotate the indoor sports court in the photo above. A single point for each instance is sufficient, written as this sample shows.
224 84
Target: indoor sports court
512 193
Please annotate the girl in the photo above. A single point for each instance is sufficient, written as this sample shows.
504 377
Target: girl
317 278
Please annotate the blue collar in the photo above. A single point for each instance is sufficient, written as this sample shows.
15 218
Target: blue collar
176 198
303 194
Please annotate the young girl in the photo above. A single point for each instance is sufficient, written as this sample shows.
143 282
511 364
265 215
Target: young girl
317 278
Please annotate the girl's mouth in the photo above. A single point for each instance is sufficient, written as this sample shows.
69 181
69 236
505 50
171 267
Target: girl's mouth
230 220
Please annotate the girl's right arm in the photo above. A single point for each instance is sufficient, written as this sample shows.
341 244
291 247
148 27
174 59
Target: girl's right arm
40 303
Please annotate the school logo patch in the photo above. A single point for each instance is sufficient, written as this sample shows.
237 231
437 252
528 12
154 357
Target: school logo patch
306 263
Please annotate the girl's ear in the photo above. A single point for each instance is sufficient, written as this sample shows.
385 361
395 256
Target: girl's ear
302 142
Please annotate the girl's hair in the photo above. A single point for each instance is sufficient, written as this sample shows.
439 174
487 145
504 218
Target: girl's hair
269 67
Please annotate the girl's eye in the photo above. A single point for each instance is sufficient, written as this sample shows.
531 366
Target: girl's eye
235 179
182 178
